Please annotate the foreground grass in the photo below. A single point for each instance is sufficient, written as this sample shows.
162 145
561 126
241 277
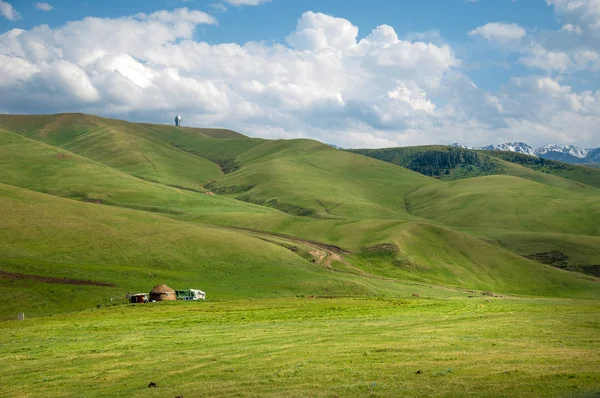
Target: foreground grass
310 347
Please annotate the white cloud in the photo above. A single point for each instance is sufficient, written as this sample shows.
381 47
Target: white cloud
549 111
315 32
585 13
579 37
246 2
44 6
540 57
8 12
502 33
416 100
321 83
218 7
571 28
573 48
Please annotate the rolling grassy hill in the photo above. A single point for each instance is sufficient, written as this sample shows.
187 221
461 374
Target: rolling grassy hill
529 219
119 145
308 178
343 274
572 172
453 163
44 236
45 168
506 202
246 217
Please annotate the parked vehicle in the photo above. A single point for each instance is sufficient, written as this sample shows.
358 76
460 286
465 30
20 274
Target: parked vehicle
190 294
138 298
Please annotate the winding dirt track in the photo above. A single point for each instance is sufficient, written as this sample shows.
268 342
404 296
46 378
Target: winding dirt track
323 254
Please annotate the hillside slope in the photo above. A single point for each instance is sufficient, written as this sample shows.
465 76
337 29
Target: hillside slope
453 163
307 178
506 202
572 172
47 237
45 168
247 217
121 145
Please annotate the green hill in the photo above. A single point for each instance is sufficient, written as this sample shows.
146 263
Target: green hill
245 217
121 145
572 172
46 237
44 168
307 178
452 163
443 162
507 202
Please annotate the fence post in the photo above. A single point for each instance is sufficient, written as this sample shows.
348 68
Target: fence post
21 316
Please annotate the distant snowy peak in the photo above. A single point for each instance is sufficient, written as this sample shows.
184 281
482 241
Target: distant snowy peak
564 153
457 145
519 147
566 149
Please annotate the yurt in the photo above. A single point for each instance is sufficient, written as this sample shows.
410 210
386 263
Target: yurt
162 293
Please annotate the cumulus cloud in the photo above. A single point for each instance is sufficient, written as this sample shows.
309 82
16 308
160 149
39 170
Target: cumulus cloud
8 12
551 111
575 46
44 6
584 13
322 82
540 57
315 32
499 32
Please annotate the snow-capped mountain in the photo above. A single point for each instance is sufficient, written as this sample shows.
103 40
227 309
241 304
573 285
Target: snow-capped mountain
519 147
568 149
563 153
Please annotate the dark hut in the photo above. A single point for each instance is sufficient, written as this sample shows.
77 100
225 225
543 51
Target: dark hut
162 293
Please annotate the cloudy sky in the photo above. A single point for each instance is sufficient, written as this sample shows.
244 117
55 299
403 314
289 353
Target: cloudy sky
354 73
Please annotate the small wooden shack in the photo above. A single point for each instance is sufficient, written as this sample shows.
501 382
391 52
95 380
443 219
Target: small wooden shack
162 293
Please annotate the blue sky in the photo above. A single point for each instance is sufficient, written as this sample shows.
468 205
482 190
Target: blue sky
349 72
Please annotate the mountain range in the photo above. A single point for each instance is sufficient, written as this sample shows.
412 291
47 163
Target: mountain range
564 153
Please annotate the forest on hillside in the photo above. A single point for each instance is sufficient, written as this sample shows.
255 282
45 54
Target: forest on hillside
439 162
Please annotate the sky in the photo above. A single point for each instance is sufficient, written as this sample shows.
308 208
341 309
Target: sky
353 73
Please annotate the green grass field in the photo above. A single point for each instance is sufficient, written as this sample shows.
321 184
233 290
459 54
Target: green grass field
328 273
421 347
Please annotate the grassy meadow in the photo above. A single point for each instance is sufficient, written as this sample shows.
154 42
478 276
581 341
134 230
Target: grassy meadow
421 347
328 273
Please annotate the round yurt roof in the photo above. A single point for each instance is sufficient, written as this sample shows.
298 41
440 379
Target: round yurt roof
162 289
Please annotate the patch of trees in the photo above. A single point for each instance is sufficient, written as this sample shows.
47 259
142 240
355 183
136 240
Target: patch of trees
531 162
436 163
439 162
